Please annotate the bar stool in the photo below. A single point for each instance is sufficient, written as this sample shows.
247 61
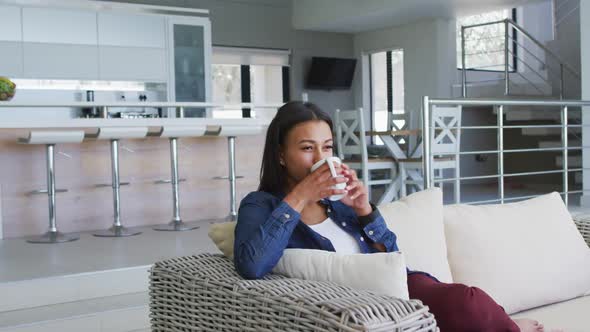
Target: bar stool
114 134
50 138
173 133
231 132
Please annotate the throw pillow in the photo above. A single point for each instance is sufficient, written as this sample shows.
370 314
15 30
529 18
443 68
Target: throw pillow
222 235
417 220
523 254
381 273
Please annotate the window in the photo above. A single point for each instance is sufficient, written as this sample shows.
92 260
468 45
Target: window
244 75
226 89
387 91
484 46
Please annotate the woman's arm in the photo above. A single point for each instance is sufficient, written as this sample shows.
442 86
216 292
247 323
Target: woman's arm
375 228
261 235
372 223
263 230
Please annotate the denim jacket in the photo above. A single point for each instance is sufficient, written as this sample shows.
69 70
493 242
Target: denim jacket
267 226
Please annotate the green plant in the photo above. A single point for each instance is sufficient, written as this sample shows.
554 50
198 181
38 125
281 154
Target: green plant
7 88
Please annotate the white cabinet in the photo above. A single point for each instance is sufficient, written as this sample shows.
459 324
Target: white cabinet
132 47
190 61
11 65
89 44
60 26
132 63
131 30
59 61
10 24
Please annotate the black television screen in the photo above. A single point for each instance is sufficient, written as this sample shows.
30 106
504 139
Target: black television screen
330 73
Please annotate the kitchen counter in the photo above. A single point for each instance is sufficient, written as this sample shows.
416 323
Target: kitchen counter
256 125
143 122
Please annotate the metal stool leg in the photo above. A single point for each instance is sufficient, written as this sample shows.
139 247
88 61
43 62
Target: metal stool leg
176 224
52 236
233 214
231 144
117 230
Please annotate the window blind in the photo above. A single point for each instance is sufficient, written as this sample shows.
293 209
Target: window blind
223 55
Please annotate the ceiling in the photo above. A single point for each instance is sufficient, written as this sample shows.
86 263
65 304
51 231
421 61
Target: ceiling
352 16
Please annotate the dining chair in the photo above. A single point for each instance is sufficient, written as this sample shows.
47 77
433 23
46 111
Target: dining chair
445 124
352 149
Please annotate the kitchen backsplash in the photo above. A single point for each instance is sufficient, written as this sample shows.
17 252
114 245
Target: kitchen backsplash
153 92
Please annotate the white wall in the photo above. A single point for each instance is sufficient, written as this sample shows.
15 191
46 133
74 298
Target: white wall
429 61
267 24
566 44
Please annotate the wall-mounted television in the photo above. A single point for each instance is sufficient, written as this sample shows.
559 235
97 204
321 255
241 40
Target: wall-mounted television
330 73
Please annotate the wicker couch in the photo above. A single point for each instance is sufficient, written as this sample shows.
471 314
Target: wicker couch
204 293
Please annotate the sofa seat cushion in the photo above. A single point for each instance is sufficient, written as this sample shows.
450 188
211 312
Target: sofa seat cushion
570 316
524 255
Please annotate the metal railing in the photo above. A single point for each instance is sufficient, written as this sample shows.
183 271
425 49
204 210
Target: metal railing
564 107
512 58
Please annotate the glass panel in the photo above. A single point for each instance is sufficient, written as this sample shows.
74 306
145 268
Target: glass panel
266 86
227 89
379 88
484 46
379 92
189 66
398 90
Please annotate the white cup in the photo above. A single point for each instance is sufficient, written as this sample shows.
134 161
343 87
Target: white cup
331 161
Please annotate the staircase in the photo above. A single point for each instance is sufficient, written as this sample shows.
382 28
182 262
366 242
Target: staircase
534 70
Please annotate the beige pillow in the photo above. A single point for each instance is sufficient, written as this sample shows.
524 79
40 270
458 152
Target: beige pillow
223 236
381 273
417 220
523 254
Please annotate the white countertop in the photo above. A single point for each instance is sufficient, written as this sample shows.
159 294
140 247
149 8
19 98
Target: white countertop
255 125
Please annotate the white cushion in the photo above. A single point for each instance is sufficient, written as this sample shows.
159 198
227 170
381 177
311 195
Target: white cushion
523 254
381 273
223 236
417 220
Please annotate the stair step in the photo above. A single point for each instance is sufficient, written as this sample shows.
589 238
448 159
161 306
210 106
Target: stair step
548 131
578 177
573 161
24 294
558 144
121 313
526 115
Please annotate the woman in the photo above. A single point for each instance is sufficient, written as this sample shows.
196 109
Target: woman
289 210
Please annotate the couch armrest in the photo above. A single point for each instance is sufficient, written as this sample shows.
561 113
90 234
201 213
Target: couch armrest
583 224
205 293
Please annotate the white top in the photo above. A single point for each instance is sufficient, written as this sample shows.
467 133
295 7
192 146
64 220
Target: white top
343 242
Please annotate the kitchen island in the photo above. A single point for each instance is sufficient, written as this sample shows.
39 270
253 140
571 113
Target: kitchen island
80 167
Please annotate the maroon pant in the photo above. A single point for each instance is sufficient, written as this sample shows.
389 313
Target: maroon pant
459 308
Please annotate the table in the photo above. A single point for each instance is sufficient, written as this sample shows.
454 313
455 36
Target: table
388 138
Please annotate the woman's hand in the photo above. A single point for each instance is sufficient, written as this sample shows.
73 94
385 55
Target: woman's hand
314 187
358 195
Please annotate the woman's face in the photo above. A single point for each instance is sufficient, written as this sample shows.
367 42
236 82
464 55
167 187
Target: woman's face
305 144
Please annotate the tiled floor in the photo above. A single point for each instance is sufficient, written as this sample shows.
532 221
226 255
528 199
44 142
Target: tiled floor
20 260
